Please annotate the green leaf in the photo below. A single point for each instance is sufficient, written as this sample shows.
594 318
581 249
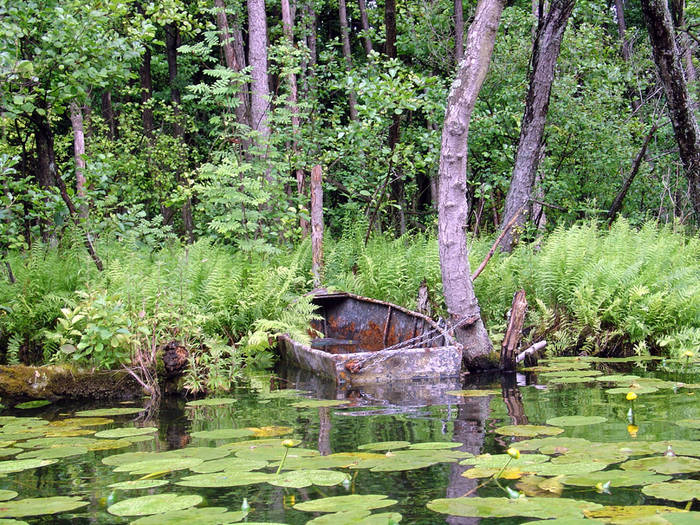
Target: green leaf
195 516
155 504
679 490
116 433
40 506
505 507
344 503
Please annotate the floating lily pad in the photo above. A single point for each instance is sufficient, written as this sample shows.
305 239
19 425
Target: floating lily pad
679 490
6 495
616 478
504 507
576 421
116 433
572 373
487 472
82 422
37 403
275 453
528 430
636 389
234 478
617 378
499 460
632 512
128 457
536 486
664 464
107 412
319 403
566 521
139 484
270 431
563 469
194 516
155 504
384 445
230 464
211 402
472 393
679 447
283 394
58 442
54 453
435 445
688 423
345 503
597 454
10 451
18 465
562 443
110 444
40 506
69 432
681 518
305 478
203 453
222 433
569 380
356 517
169 464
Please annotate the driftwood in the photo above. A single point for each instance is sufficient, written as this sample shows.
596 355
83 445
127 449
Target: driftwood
316 225
531 350
514 331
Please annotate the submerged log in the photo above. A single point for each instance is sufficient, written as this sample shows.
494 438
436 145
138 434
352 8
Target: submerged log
514 332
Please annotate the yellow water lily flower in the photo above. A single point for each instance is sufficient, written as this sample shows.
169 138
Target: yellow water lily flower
513 453
289 443
632 430
689 354
631 396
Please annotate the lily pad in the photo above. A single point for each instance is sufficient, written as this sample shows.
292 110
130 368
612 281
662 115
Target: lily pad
576 421
229 464
633 512
40 506
155 504
356 517
6 495
435 445
270 431
194 516
211 402
18 465
688 423
59 442
559 469
320 403
233 478
617 378
616 478
552 443
128 457
33 404
569 380
681 518
345 503
107 412
528 430
275 453
679 490
82 422
504 507
487 472
305 478
572 373
54 453
636 389
679 447
117 433
499 460
69 432
472 393
203 453
664 464
384 445
110 444
567 521
222 433
139 484
168 464
10 451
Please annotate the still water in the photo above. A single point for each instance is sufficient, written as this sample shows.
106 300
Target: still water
479 416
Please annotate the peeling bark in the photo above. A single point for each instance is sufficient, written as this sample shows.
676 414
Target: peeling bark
76 120
452 210
257 58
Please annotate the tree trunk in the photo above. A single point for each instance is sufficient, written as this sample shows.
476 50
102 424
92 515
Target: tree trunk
452 210
76 120
311 36
146 92
668 65
622 30
390 24
366 40
527 158
108 114
317 225
231 59
345 35
257 58
288 27
459 31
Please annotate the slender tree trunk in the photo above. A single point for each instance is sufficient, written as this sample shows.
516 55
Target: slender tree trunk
257 58
288 27
231 59
527 158
677 8
457 286
668 65
366 40
390 25
76 120
108 114
622 30
311 33
345 35
146 92
459 31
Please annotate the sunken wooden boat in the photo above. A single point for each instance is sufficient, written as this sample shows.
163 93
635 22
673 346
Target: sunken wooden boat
366 341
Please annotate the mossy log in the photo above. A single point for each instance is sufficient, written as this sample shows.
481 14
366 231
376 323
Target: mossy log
64 382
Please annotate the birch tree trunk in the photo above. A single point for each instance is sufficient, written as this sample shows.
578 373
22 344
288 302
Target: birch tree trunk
550 33
231 59
668 65
257 58
366 40
452 207
345 35
76 120
459 31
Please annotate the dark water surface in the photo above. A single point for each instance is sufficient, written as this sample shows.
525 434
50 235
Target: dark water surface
413 412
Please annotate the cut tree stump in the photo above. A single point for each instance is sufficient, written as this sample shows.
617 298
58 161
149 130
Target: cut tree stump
514 332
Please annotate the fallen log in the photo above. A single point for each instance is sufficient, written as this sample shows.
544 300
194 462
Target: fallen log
531 350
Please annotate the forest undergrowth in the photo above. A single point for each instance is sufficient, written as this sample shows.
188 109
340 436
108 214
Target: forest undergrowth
605 291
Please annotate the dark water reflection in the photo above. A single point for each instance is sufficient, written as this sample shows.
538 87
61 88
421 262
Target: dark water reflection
414 411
